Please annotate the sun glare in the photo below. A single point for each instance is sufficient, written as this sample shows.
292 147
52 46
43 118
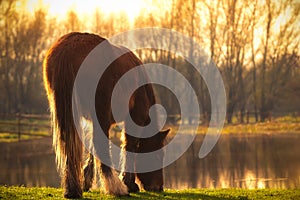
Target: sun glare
59 8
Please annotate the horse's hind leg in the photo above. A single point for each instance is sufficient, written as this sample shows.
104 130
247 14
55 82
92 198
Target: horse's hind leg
72 178
109 178
88 173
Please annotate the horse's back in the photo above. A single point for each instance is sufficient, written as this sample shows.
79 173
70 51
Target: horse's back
64 59
67 54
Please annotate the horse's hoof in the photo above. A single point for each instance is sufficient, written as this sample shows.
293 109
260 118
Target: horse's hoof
119 193
133 187
123 195
86 188
70 195
153 189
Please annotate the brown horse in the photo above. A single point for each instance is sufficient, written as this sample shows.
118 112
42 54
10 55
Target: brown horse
61 65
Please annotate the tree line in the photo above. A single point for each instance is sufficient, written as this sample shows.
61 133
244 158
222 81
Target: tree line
254 43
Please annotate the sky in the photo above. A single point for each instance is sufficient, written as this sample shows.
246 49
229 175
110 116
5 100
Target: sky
60 8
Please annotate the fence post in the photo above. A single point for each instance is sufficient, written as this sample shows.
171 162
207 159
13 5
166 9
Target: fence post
19 126
247 116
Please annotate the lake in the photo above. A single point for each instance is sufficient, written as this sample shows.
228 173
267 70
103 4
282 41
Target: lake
241 161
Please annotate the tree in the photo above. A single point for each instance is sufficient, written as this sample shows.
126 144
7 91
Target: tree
21 63
72 22
228 26
278 51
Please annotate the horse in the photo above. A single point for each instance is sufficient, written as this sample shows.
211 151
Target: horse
60 67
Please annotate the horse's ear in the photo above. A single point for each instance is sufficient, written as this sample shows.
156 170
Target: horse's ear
164 133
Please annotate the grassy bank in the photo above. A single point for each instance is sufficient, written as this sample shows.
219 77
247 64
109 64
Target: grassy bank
211 194
274 127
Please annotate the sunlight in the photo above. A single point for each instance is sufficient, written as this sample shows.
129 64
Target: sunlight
261 184
86 125
224 180
250 179
59 8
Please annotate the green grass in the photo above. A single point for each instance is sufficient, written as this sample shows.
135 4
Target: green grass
14 137
210 194
275 127
11 137
255 128
278 126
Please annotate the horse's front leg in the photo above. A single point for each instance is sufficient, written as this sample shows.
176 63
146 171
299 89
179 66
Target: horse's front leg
88 173
129 144
109 177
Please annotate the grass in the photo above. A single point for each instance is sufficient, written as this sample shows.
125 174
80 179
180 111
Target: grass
276 127
14 137
210 194
281 125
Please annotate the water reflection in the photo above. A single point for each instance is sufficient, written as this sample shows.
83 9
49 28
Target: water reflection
29 163
248 161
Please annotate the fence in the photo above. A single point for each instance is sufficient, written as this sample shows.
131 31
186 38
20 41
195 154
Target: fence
24 125
28 125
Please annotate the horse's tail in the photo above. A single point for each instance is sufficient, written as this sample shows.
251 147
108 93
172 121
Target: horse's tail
59 78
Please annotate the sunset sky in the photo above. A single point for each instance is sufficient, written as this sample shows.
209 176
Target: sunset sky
59 8
132 8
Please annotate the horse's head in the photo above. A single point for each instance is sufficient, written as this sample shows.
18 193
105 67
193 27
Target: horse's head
153 181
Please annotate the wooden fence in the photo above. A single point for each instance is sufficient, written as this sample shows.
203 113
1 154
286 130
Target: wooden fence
39 125
25 125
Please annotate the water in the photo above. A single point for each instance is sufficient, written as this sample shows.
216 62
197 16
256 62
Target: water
248 161
29 163
242 161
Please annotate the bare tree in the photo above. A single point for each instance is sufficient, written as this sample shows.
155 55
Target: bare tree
21 63
235 31
279 49
72 22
